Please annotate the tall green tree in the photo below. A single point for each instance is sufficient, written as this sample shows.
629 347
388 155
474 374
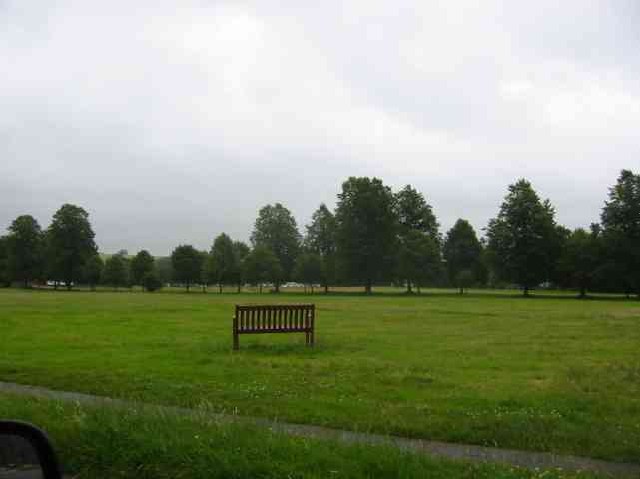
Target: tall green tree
262 266
524 237
621 230
224 263
5 277
581 257
141 265
164 269
115 272
462 252
414 213
418 260
366 230
415 218
276 229
70 243
240 251
93 268
308 269
25 250
186 262
321 240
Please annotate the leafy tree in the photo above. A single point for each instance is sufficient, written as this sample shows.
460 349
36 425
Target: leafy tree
240 251
465 279
187 265
25 247
418 259
70 243
151 282
164 269
581 257
141 264
5 277
524 237
621 230
276 229
321 240
115 271
416 219
262 265
93 268
366 230
308 269
462 252
224 263
414 213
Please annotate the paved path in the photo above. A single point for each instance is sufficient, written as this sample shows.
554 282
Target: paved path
527 459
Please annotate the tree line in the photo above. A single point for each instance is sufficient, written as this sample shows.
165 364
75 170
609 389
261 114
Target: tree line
374 236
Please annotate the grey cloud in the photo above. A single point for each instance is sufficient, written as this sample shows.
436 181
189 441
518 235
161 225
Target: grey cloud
171 122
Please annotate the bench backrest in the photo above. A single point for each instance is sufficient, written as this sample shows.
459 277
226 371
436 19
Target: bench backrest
273 318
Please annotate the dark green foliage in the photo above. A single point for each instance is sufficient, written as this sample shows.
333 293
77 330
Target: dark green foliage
414 213
321 240
276 229
151 282
164 269
5 277
524 238
141 265
621 231
308 269
224 263
25 250
366 230
116 271
92 272
464 279
462 252
70 243
581 257
187 265
418 238
418 259
262 266
241 251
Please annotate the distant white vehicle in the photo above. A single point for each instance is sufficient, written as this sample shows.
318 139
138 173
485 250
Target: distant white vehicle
293 284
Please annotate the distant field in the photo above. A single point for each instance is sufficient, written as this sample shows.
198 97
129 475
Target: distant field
554 373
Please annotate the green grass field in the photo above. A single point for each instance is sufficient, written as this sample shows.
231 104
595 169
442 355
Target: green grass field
102 443
549 374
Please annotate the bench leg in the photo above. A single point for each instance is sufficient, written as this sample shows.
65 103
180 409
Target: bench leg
312 337
236 342
307 339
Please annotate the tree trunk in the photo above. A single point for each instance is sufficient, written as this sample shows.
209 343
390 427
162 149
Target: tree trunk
277 285
526 291
220 288
583 292
409 290
461 290
260 288
326 288
239 288
188 285
367 287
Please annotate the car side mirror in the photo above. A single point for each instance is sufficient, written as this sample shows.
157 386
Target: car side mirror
26 452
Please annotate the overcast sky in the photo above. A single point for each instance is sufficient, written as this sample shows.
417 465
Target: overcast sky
171 122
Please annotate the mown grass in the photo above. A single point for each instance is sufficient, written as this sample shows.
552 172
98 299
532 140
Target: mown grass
103 443
550 374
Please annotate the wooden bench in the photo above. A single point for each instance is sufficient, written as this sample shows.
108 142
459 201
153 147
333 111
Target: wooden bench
274 318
